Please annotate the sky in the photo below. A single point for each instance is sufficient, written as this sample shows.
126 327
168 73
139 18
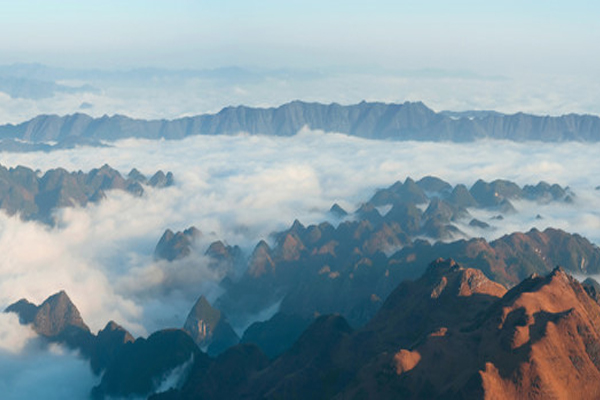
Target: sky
486 36
539 57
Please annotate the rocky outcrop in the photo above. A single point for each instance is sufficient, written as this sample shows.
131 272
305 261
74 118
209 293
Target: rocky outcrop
209 328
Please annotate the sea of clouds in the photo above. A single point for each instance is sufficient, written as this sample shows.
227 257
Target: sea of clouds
173 94
238 189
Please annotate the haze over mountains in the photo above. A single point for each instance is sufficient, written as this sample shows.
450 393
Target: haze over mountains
407 121
381 200
237 189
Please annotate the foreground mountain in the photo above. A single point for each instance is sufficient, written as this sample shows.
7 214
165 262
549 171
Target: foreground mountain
451 334
129 367
407 121
539 340
33 196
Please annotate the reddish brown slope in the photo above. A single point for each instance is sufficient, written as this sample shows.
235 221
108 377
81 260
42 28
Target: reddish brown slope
540 341
452 334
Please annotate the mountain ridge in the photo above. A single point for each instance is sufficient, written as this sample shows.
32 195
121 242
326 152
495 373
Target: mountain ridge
370 120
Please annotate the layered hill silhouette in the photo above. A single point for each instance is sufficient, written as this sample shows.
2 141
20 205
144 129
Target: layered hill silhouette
407 121
34 196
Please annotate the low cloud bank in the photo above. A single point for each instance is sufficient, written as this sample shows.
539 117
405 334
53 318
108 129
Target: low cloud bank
156 96
240 189
237 189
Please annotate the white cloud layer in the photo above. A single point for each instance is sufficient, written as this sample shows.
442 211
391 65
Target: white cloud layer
180 95
240 189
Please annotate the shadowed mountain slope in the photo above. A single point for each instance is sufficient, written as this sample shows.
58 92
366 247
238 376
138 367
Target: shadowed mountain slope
452 334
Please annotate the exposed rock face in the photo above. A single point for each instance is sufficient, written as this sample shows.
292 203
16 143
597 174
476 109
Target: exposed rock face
57 314
161 180
592 287
58 320
445 294
337 211
22 191
24 309
209 328
261 260
348 269
538 341
173 246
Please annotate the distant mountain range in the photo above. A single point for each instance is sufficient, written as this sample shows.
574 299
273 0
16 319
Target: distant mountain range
34 196
407 121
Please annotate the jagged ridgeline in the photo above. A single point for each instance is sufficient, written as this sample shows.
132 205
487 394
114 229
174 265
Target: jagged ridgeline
349 266
34 195
407 121
452 333
363 312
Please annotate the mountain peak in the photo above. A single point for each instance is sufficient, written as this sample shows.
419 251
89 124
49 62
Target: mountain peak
56 314
209 328
454 280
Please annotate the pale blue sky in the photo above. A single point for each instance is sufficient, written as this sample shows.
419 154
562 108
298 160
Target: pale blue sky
487 37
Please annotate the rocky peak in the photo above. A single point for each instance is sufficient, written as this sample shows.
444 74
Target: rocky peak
434 185
172 246
261 261
461 197
137 176
113 331
160 180
455 280
209 327
56 314
290 247
337 211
